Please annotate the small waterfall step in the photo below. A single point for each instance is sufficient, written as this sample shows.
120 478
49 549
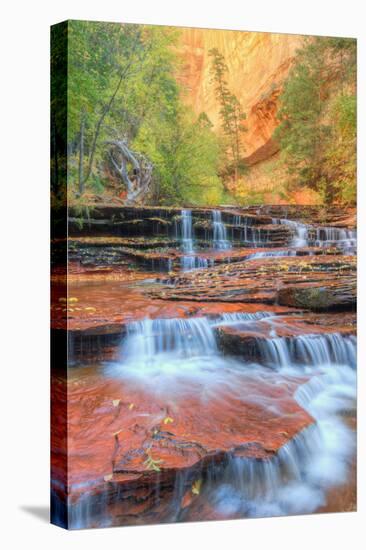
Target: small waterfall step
220 239
263 342
173 382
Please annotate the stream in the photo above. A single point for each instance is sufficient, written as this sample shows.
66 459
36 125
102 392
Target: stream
169 419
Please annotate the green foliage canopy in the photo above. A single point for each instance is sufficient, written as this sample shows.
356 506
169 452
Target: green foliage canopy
122 83
317 133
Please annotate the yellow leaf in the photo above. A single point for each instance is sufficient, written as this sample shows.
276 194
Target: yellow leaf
73 299
196 487
108 477
168 420
91 309
131 406
62 300
116 402
151 463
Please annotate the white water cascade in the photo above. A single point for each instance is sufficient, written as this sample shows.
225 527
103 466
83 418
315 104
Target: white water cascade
311 350
174 358
195 262
183 355
187 231
189 261
220 240
300 238
307 235
346 239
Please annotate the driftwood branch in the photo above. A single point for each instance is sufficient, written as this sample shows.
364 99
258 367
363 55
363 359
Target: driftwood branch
134 169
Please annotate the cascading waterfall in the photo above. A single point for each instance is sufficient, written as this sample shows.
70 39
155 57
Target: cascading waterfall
272 254
187 231
300 238
191 261
296 479
173 356
195 262
307 235
311 350
238 317
220 240
249 233
346 239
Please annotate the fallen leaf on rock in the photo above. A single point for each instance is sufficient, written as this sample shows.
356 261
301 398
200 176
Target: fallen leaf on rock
116 402
152 463
196 487
108 477
168 420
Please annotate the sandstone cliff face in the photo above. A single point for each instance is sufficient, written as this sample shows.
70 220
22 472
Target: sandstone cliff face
257 64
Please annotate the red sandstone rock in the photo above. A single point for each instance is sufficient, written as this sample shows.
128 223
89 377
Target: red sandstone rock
117 430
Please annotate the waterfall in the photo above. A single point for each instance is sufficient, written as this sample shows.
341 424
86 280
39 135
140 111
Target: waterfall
150 338
238 317
178 358
300 238
346 239
307 235
220 240
314 350
195 262
249 233
271 254
189 262
187 231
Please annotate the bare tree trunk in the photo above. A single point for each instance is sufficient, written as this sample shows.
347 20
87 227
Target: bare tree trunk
81 156
138 181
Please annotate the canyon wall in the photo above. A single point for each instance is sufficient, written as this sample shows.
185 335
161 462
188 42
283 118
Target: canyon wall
257 64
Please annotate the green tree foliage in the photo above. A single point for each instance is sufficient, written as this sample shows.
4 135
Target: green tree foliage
122 85
317 133
59 113
186 156
231 113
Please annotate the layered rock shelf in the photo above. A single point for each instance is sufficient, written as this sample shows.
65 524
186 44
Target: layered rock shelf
191 335
323 282
135 443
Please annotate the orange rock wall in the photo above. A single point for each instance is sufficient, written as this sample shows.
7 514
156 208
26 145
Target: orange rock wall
257 64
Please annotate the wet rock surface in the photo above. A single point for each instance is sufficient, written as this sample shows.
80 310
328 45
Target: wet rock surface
200 344
266 281
126 439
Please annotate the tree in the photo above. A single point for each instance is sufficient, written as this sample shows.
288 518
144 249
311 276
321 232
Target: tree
128 125
231 113
317 100
134 169
102 57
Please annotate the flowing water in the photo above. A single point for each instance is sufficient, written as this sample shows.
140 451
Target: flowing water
220 240
187 231
178 360
300 230
177 364
306 235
